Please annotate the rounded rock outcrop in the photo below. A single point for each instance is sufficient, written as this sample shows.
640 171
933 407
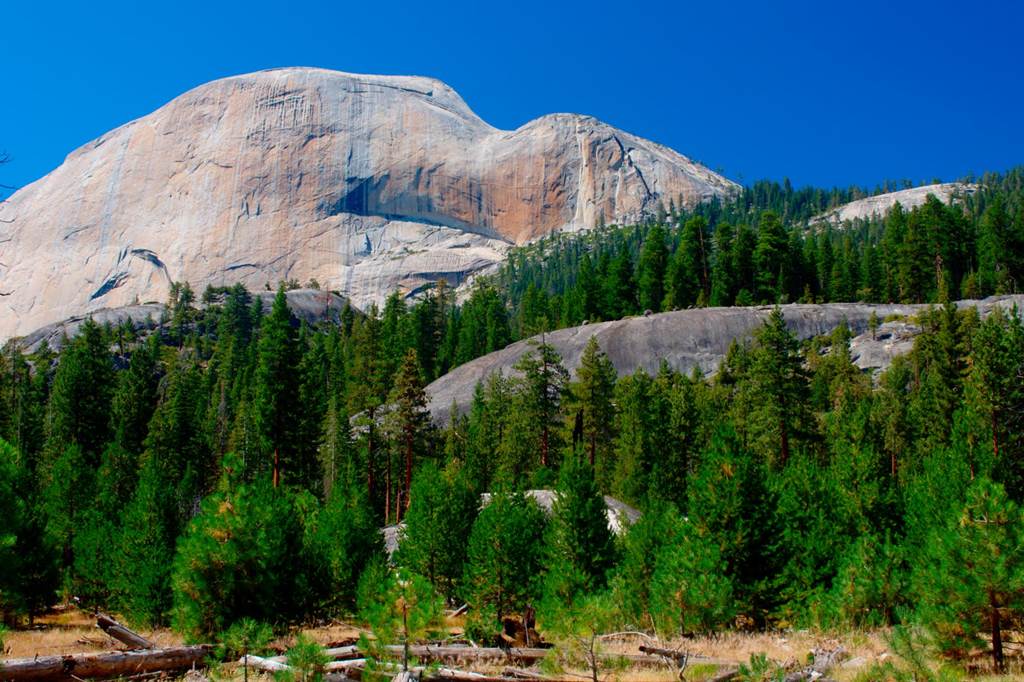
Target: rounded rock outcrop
365 183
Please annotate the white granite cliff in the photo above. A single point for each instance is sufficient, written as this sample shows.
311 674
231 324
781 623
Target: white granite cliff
365 183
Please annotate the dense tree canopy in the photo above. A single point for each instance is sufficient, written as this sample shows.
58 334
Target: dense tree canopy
233 463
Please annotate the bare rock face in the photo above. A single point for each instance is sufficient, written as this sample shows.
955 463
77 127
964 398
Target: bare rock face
365 183
699 339
880 204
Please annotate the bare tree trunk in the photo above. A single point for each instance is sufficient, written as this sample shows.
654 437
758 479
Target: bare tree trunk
277 470
409 443
369 460
785 445
121 633
995 436
102 665
997 634
387 491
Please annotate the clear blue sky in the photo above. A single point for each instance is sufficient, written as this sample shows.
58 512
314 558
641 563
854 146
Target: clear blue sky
822 92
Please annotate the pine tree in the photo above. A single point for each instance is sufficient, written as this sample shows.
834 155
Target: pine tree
651 269
315 384
409 425
591 402
825 261
12 510
337 452
505 558
176 436
22 399
368 390
68 484
28 562
275 403
631 580
484 324
589 288
440 518
401 607
893 236
581 548
394 332
771 258
543 386
728 501
723 274
95 546
485 430
689 280
639 436
871 584
995 389
815 524
151 528
620 291
690 593
344 538
534 312
577 629
79 409
241 557
917 262
677 435
775 395
132 406
179 311
973 579
743 249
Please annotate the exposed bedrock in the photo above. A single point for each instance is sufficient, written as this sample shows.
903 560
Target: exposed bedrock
365 183
699 338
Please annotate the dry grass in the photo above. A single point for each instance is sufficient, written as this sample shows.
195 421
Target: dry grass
68 630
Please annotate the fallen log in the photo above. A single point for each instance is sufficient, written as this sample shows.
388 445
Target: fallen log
269 665
276 664
465 676
521 654
681 657
340 653
426 652
529 676
122 634
102 665
469 653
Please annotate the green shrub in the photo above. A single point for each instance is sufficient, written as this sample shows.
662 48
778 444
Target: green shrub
307 660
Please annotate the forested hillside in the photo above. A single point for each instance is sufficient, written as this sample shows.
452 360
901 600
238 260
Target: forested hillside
760 247
237 465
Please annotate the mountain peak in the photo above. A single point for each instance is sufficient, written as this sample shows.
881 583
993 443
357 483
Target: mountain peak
364 183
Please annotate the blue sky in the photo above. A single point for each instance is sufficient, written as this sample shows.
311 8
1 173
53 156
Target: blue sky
823 93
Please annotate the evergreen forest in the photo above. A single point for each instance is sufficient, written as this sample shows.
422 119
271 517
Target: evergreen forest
234 466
